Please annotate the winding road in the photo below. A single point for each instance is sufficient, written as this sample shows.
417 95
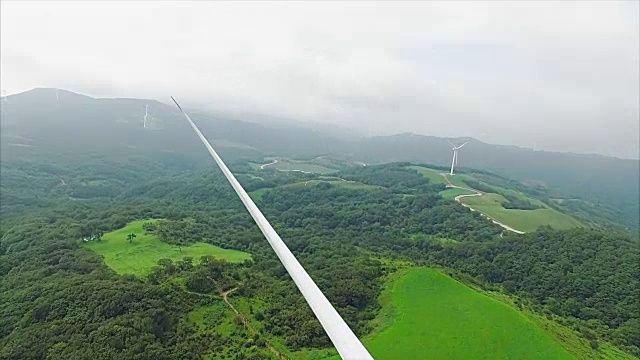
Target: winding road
448 185
268 164
245 322
476 193
275 161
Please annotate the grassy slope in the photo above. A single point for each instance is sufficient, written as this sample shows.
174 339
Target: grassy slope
490 204
451 193
308 166
524 220
569 338
435 177
139 256
426 314
459 179
258 194
432 174
345 184
438 316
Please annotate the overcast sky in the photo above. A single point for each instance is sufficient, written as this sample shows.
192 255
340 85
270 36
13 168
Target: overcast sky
559 75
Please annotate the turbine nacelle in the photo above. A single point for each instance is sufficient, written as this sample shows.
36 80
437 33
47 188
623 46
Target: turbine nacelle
459 146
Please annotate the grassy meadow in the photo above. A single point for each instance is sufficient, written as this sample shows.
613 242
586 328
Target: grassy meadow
491 204
451 193
523 220
143 253
433 175
436 317
353 185
301 165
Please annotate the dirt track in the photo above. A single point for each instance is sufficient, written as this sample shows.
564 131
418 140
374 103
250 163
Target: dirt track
476 193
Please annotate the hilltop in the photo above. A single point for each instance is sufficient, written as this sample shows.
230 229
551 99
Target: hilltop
602 189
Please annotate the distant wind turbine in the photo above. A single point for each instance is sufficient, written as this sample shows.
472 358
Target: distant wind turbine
146 112
57 98
454 161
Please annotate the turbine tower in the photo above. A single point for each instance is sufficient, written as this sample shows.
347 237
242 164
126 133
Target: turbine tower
454 161
146 112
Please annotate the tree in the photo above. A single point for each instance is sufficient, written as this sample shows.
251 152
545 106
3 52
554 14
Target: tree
131 236
186 263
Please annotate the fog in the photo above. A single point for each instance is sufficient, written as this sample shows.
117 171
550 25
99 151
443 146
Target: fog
553 75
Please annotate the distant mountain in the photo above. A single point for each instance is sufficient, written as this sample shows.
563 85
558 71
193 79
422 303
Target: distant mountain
35 123
602 180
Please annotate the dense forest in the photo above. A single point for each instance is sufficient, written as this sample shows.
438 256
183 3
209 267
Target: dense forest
590 278
58 294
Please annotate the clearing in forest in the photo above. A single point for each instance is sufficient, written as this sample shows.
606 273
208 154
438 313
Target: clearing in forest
304 166
431 315
451 193
143 252
491 203
523 220
352 185
433 175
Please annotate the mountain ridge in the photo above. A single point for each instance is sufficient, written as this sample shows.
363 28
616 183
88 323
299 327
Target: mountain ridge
77 123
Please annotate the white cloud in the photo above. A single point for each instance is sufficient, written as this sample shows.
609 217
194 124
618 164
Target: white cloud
562 74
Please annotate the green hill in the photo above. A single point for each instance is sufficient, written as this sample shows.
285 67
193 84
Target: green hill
34 124
600 180
140 255
436 315
533 213
523 220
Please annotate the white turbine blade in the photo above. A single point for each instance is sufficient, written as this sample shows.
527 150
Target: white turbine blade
451 143
462 145
344 340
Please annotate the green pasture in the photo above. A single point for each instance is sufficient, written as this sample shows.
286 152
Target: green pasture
523 220
142 254
436 317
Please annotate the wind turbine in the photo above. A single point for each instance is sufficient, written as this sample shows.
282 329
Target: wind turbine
57 98
146 112
454 161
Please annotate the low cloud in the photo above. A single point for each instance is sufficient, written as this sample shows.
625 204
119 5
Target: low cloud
561 75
